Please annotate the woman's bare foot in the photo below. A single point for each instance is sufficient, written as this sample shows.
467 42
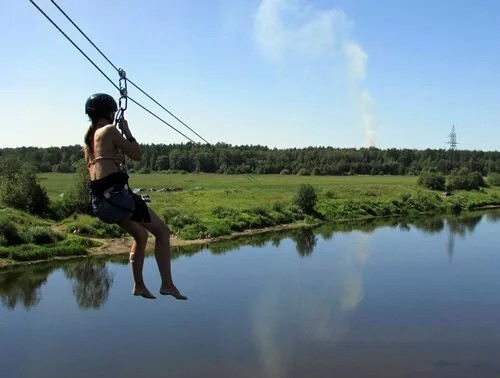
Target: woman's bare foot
143 292
173 291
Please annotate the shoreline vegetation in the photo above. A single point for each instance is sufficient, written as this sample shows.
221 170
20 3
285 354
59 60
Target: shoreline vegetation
201 209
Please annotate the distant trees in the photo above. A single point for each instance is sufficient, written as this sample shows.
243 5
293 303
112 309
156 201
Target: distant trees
228 159
458 179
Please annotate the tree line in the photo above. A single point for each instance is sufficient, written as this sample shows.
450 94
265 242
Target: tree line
229 159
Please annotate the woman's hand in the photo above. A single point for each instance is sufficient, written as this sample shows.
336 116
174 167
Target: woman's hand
123 126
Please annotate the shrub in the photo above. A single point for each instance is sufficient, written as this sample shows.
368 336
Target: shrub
302 172
32 252
432 180
180 221
192 231
169 214
316 172
494 179
91 226
9 234
218 228
329 194
306 198
41 235
19 188
285 172
223 212
278 206
465 179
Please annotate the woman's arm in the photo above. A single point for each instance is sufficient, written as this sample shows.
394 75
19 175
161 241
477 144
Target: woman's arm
126 142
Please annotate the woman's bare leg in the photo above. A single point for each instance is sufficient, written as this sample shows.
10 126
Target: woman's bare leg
162 253
137 253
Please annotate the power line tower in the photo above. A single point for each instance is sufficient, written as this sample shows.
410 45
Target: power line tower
453 139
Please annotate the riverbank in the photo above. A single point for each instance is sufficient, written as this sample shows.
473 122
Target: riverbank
209 208
122 245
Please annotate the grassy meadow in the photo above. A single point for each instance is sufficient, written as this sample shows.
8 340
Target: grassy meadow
200 193
200 205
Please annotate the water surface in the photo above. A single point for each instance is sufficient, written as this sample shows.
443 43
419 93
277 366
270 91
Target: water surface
417 298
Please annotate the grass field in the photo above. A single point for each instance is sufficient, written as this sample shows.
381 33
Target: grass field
200 193
339 197
209 205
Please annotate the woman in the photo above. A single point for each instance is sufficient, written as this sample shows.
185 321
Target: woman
112 202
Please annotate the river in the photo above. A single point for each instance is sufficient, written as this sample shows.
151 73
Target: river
413 298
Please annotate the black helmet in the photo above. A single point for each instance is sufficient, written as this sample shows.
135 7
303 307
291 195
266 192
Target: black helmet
100 105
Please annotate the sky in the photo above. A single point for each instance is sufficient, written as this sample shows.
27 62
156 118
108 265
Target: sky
277 73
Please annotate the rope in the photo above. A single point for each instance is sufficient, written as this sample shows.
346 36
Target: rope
117 69
102 72
74 44
248 176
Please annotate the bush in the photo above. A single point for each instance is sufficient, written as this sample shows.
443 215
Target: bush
494 179
285 172
316 172
91 226
41 235
32 252
432 180
192 231
302 172
223 212
465 179
9 234
182 220
218 228
169 214
19 188
306 198
77 198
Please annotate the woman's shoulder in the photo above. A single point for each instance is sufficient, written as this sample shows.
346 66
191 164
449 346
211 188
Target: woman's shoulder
108 130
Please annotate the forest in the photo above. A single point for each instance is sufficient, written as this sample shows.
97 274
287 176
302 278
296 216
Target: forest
229 159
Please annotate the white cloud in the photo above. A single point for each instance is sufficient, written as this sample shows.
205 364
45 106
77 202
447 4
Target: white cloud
287 28
367 114
269 33
356 60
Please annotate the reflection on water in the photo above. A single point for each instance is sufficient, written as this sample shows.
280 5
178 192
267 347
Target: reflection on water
91 282
370 299
22 285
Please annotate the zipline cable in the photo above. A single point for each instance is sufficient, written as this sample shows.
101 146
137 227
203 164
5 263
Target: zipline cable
73 43
117 69
248 176
104 74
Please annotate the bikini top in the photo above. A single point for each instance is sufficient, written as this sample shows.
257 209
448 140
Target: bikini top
117 160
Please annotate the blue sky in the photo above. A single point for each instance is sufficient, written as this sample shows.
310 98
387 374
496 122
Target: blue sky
281 73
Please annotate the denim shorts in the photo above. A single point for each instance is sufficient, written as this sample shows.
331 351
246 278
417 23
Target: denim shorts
116 205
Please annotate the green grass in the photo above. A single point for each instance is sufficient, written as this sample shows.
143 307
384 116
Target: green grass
217 204
24 237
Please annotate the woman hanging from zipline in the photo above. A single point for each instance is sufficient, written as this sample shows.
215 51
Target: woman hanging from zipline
112 199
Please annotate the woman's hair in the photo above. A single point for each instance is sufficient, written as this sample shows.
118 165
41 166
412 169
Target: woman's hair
97 106
88 147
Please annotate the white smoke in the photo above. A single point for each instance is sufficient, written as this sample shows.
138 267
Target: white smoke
285 27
